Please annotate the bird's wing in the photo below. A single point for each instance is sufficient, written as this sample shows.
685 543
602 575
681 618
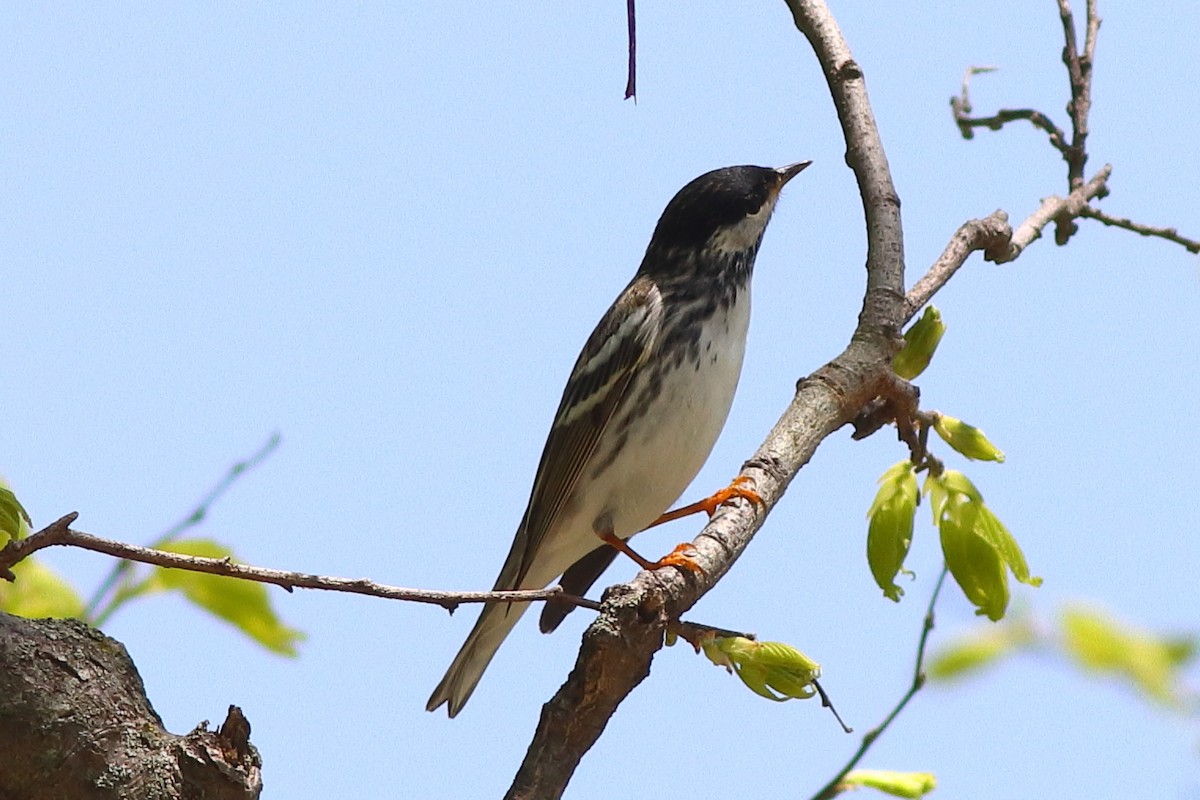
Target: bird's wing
616 350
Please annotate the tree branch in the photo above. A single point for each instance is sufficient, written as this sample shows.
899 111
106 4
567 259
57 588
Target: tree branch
991 234
1079 70
631 76
834 787
961 107
1170 234
60 533
619 646
120 571
1060 210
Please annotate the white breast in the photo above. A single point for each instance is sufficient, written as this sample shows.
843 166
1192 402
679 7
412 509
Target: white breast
661 454
665 458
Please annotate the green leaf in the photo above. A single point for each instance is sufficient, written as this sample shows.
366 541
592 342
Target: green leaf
1151 664
245 604
920 343
14 519
989 526
890 527
966 439
979 649
978 549
942 488
772 670
974 563
39 592
897 784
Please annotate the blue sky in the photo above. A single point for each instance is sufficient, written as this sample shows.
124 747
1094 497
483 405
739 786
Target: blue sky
385 231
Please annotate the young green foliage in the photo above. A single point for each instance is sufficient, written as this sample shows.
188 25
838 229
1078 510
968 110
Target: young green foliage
920 343
979 550
39 592
245 604
1152 664
890 526
765 666
14 520
897 784
966 439
982 648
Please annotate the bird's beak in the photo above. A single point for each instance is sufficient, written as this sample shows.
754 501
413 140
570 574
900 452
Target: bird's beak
791 171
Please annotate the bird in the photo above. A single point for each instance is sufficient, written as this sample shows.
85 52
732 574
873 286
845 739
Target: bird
642 409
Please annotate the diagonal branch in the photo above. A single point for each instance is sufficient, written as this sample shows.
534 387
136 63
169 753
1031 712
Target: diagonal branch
1062 211
991 234
834 787
619 646
967 124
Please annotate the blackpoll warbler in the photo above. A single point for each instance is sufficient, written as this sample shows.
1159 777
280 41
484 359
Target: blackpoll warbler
642 409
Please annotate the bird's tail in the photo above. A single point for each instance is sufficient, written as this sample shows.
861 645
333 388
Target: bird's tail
467 668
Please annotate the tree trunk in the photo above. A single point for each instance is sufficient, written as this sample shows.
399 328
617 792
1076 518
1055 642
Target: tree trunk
75 722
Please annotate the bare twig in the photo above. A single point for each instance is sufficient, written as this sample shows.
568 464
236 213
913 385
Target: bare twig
1079 70
991 234
631 79
995 122
1060 210
961 107
59 533
696 634
121 569
1063 213
834 787
1170 234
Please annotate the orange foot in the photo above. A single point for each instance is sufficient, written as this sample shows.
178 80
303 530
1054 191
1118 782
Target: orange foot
710 504
679 558
676 558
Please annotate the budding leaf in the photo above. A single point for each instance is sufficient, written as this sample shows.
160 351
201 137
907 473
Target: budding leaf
980 649
14 520
1150 663
890 526
978 549
966 439
244 604
897 784
39 592
772 670
920 342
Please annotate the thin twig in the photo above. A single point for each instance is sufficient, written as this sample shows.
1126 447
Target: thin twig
1170 234
695 633
1060 210
1062 213
631 22
833 788
122 568
961 107
59 533
1079 71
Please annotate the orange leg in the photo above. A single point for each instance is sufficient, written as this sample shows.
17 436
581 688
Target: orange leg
710 504
676 558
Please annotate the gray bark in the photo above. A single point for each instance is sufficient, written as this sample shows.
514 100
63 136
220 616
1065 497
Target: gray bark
75 722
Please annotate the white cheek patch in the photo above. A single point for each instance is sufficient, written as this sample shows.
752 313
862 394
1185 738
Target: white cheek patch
743 234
